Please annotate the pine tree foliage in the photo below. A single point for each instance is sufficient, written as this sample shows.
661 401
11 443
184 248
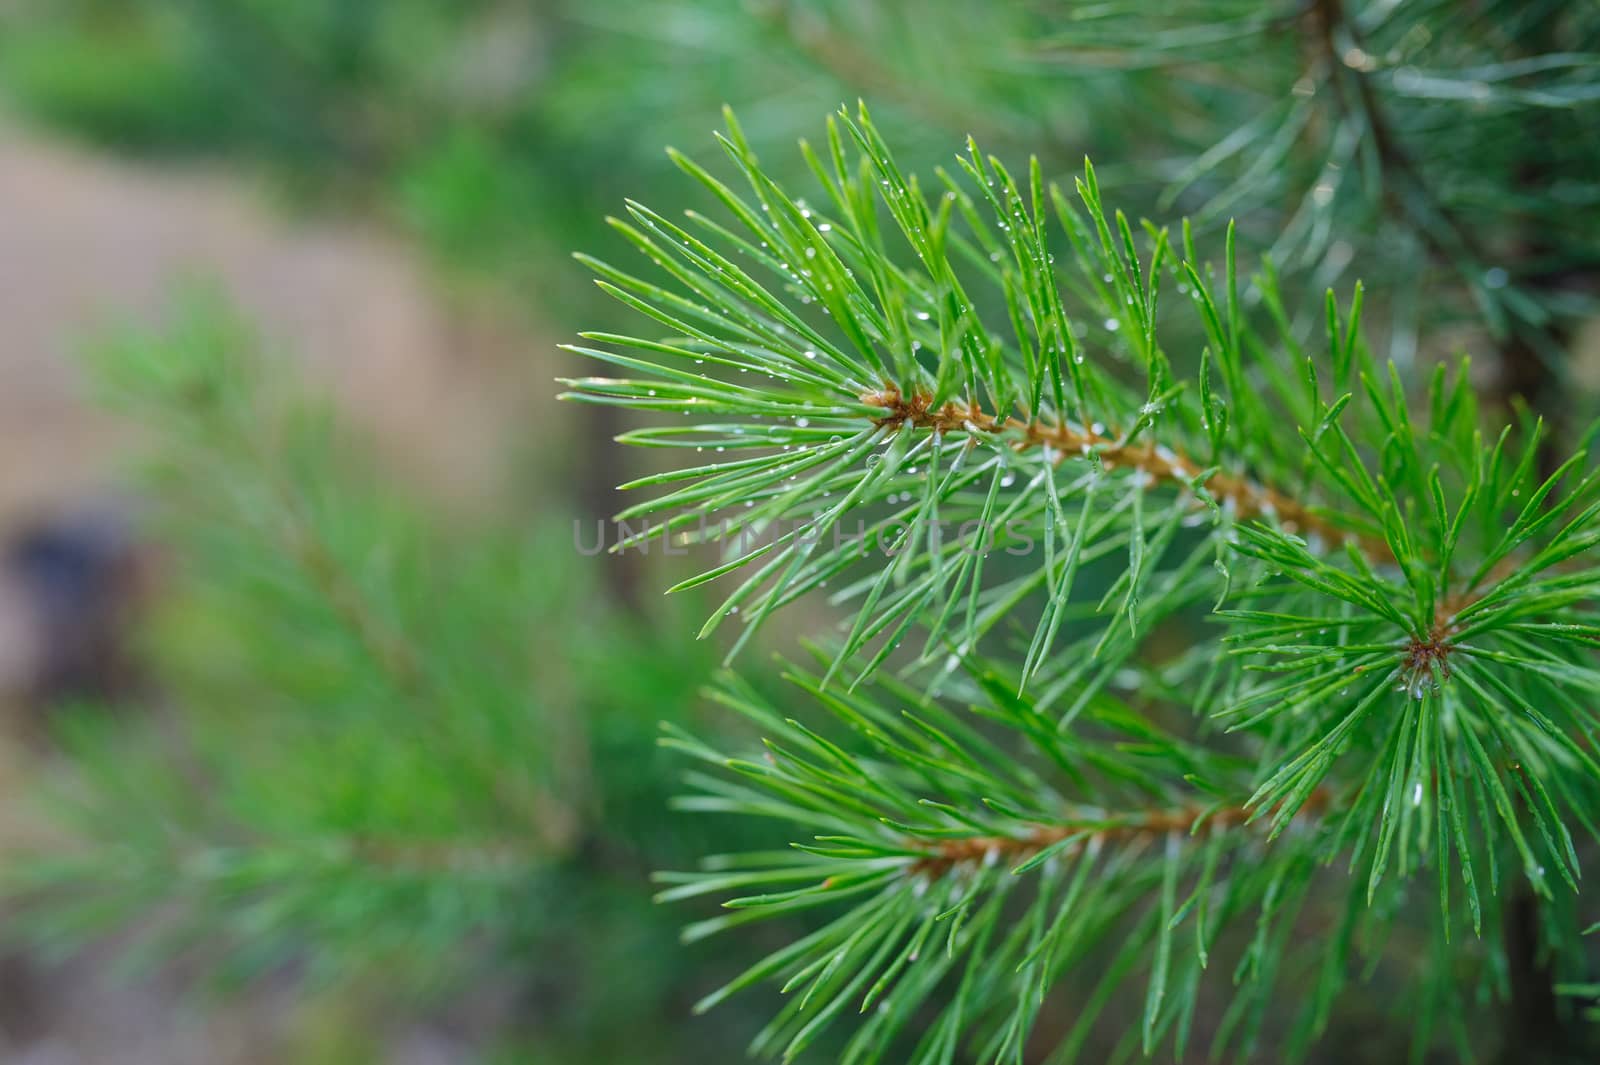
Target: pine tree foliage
1007 776
1358 138
1269 643
356 762
1454 129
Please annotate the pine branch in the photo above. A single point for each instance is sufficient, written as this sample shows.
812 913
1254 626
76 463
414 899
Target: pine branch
1153 463
1068 838
1066 879
329 785
1417 703
1363 114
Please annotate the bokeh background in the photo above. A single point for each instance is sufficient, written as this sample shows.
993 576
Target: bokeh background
312 258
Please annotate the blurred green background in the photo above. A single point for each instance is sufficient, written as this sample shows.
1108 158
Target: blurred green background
326 244
325 704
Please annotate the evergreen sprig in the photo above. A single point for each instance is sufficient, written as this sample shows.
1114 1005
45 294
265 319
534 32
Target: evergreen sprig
330 790
1402 681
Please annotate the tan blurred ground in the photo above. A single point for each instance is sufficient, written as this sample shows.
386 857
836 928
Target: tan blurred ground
86 243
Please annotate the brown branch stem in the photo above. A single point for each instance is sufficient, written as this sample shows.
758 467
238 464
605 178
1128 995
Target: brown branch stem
1185 820
1244 497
